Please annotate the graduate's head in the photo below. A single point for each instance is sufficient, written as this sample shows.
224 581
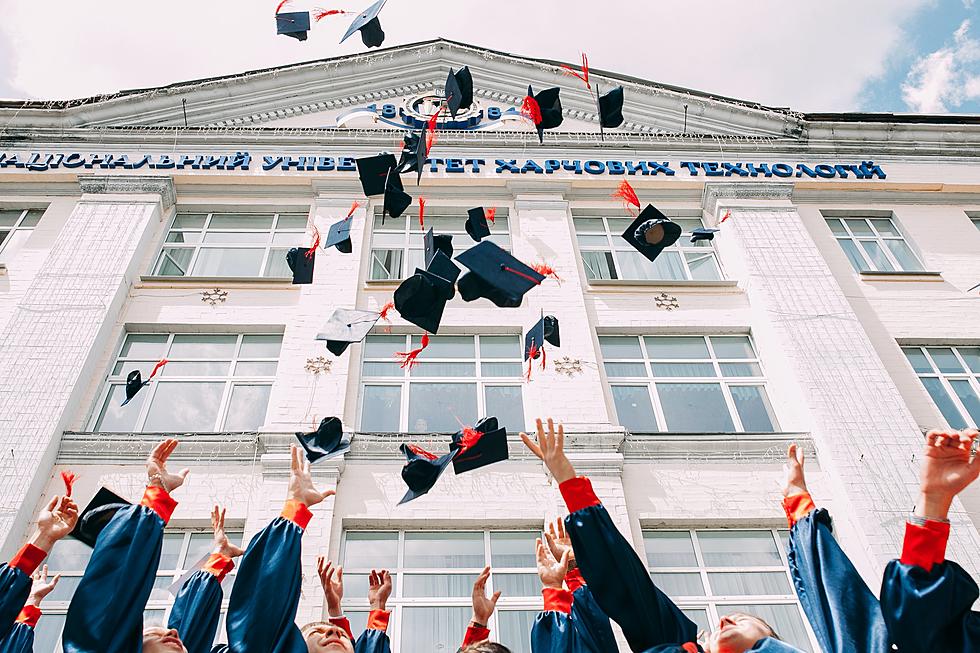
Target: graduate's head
485 647
325 637
157 639
738 632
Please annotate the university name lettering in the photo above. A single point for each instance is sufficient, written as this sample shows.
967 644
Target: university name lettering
40 162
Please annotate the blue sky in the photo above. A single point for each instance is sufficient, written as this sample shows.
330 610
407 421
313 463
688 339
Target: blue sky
832 55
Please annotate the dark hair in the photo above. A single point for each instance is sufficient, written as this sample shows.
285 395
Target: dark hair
485 647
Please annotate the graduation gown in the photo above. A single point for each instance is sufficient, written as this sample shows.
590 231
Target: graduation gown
572 621
20 639
197 608
926 599
106 613
15 584
845 615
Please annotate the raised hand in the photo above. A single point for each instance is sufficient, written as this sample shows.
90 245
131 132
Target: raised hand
559 542
156 467
483 606
41 586
55 521
551 571
379 589
301 482
221 543
793 470
332 580
947 469
551 449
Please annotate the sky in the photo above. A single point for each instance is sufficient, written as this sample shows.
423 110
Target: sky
833 55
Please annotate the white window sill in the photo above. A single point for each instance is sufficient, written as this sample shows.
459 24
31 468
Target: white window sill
901 276
714 446
153 281
384 282
665 283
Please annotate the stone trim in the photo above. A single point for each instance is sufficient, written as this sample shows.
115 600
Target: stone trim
715 193
130 184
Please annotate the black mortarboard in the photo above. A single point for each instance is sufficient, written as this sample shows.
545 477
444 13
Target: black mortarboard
327 441
345 327
374 173
413 155
369 26
437 243
652 232
611 108
444 274
301 264
339 236
484 444
496 275
97 515
135 382
549 102
459 90
293 23
703 233
422 470
396 199
476 224
421 300
546 330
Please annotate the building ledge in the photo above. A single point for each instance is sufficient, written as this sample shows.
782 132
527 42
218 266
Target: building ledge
715 447
602 284
902 276
153 281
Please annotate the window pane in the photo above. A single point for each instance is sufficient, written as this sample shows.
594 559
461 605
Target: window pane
860 227
599 265
704 267
433 629
785 619
260 346
175 262
903 254
448 550
620 347
380 408
203 346
65 588
438 585
620 370
766 583
367 550
465 370
918 360
673 347
256 368
447 346
669 549
854 255
289 239
633 265
383 346
386 264
9 217
517 584
47 632
695 408
292 221
501 370
738 548
972 357
740 369
878 259
276 266
513 549
946 406
732 347
218 262
116 418
506 403
194 368
356 586
634 408
682 369
170 553
383 369
968 397
836 227
428 402
500 347
885 227
144 345
945 359
667 266
69 554
246 410
185 407
679 584
699 617
236 238
246 221
589 225
753 408
515 626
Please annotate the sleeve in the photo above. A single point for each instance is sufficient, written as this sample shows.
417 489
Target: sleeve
106 613
925 600
552 631
262 610
374 639
344 623
15 584
617 577
197 608
845 615
593 632
20 639
475 634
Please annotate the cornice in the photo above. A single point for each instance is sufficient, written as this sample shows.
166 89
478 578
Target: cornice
759 194
130 184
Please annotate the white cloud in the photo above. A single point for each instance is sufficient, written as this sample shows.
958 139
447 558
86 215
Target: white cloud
946 78
809 56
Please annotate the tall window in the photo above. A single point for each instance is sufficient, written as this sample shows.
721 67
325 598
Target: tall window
874 245
16 226
182 549
397 247
607 256
433 575
951 376
213 382
231 244
976 222
687 384
458 380
711 573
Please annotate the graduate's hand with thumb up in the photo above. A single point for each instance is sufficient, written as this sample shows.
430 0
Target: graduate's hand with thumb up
483 605
550 448
301 481
551 571
156 467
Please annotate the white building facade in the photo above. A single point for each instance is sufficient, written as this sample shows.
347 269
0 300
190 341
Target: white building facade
832 309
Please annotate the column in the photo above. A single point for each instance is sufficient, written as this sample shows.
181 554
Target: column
60 326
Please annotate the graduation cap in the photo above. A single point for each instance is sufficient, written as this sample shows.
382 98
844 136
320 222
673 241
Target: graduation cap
496 275
135 382
396 199
421 299
97 515
339 236
301 260
369 26
544 109
459 90
651 232
611 108
546 330
327 441
345 327
422 470
437 243
413 155
293 23
374 173
703 233
482 445
476 224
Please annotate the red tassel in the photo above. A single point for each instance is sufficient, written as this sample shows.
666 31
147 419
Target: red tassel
521 274
69 480
430 130
430 140
419 451
408 357
353 207
544 358
584 75
728 214
282 4
320 14
385 310
547 271
422 213
470 438
156 368
626 193
491 214
531 110
316 243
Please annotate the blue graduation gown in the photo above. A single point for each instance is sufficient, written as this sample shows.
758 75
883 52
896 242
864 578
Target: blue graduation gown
15 586
593 632
197 611
552 632
20 639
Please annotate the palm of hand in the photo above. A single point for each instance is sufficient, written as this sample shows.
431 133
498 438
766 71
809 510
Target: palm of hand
947 471
56 523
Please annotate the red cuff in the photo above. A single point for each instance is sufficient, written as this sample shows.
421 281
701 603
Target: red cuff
29 615
159 501
297 513
344 623
378 620
925 546
219 565
574 579
475 635
578 494
557 599
28 558
798 506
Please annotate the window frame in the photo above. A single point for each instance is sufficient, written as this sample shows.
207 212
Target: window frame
944 378
877 238
18 226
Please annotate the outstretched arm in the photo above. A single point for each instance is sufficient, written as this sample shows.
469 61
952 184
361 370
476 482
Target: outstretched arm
21 637
483 607
374 639
552 631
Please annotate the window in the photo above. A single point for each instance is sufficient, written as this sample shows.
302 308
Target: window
231 244
433 575
701 384
397 246
711 573
606 255
976 222
951 376
874 245
182 550
458 379
212 383
16 226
